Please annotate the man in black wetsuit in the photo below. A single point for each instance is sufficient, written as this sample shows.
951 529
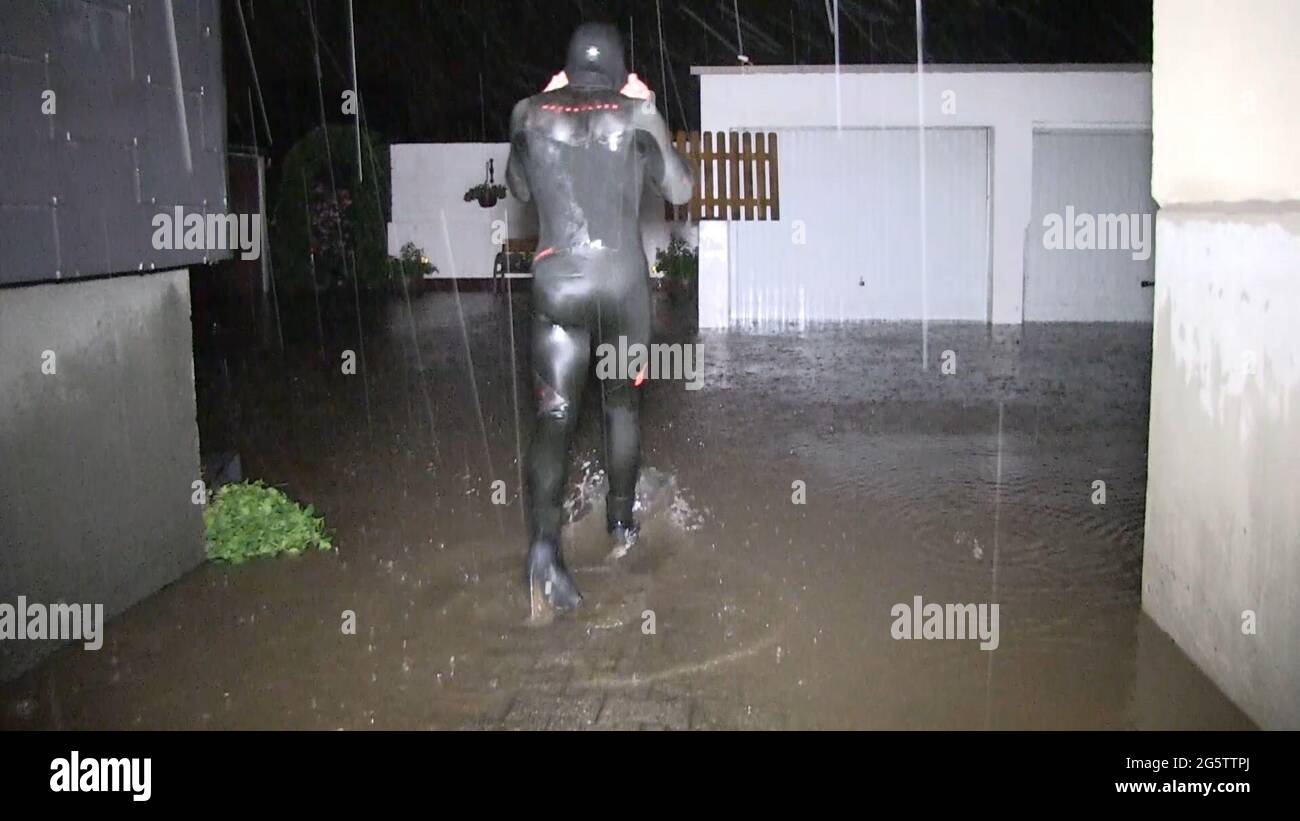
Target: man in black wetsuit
581 152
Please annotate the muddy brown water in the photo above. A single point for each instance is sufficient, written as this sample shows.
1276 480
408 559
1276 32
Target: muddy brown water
975 486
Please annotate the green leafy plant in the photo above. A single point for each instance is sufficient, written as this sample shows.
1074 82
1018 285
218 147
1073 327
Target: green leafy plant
488 193
412 262
248 519
680 265
679 262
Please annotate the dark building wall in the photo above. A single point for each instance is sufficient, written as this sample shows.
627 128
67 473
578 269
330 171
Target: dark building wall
82 184
98 453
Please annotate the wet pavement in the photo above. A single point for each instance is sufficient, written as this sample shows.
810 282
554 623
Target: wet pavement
739 608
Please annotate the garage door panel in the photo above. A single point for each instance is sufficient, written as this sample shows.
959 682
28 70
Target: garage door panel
848 246
1089 174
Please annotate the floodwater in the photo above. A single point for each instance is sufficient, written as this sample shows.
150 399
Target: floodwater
739 608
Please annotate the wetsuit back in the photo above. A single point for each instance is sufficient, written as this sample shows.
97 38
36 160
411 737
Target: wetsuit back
582 153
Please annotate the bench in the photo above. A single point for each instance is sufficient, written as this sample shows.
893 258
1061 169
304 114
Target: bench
515 257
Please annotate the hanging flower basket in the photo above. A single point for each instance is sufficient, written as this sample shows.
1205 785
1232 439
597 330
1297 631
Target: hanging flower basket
487 193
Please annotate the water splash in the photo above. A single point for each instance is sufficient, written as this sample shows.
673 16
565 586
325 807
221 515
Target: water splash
658 496
469 358
993 596
252 64
514 375
406 293
834 13
178 86
352 42
329 162
920 139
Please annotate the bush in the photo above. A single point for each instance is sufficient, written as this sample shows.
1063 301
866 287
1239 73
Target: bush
249 519
680 263
307 218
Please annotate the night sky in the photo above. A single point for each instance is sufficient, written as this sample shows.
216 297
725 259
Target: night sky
450 70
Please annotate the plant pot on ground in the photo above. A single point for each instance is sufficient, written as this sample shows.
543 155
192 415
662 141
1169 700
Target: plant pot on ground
410 268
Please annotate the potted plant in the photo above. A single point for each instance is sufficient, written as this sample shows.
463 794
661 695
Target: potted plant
487 193
680 265
411 263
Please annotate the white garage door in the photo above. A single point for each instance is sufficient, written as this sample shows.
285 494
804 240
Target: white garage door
1096 178
849 242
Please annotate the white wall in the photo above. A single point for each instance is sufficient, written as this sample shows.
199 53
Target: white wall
1228 123
1010 101
430 181
1222 551
429 184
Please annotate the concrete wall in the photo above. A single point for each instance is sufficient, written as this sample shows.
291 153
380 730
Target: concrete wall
1227 118
98 457
111 112
1012 101
430 181
1223 498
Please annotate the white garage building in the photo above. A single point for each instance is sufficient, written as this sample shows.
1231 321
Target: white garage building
1003 148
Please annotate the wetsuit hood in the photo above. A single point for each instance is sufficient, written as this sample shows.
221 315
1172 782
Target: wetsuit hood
595 57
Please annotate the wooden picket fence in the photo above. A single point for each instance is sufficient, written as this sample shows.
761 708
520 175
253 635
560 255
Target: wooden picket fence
736 176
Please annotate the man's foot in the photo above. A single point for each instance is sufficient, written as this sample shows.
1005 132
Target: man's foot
624 536
551 588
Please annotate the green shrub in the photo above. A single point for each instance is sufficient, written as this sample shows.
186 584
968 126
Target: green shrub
680 263
249 519
307 218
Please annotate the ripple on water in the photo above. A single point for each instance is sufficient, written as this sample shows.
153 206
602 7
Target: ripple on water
941 497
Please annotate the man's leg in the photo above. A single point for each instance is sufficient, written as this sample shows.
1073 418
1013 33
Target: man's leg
622 459
560 357
621 400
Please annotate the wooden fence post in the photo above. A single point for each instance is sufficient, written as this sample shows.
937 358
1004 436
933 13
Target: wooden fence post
737 176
